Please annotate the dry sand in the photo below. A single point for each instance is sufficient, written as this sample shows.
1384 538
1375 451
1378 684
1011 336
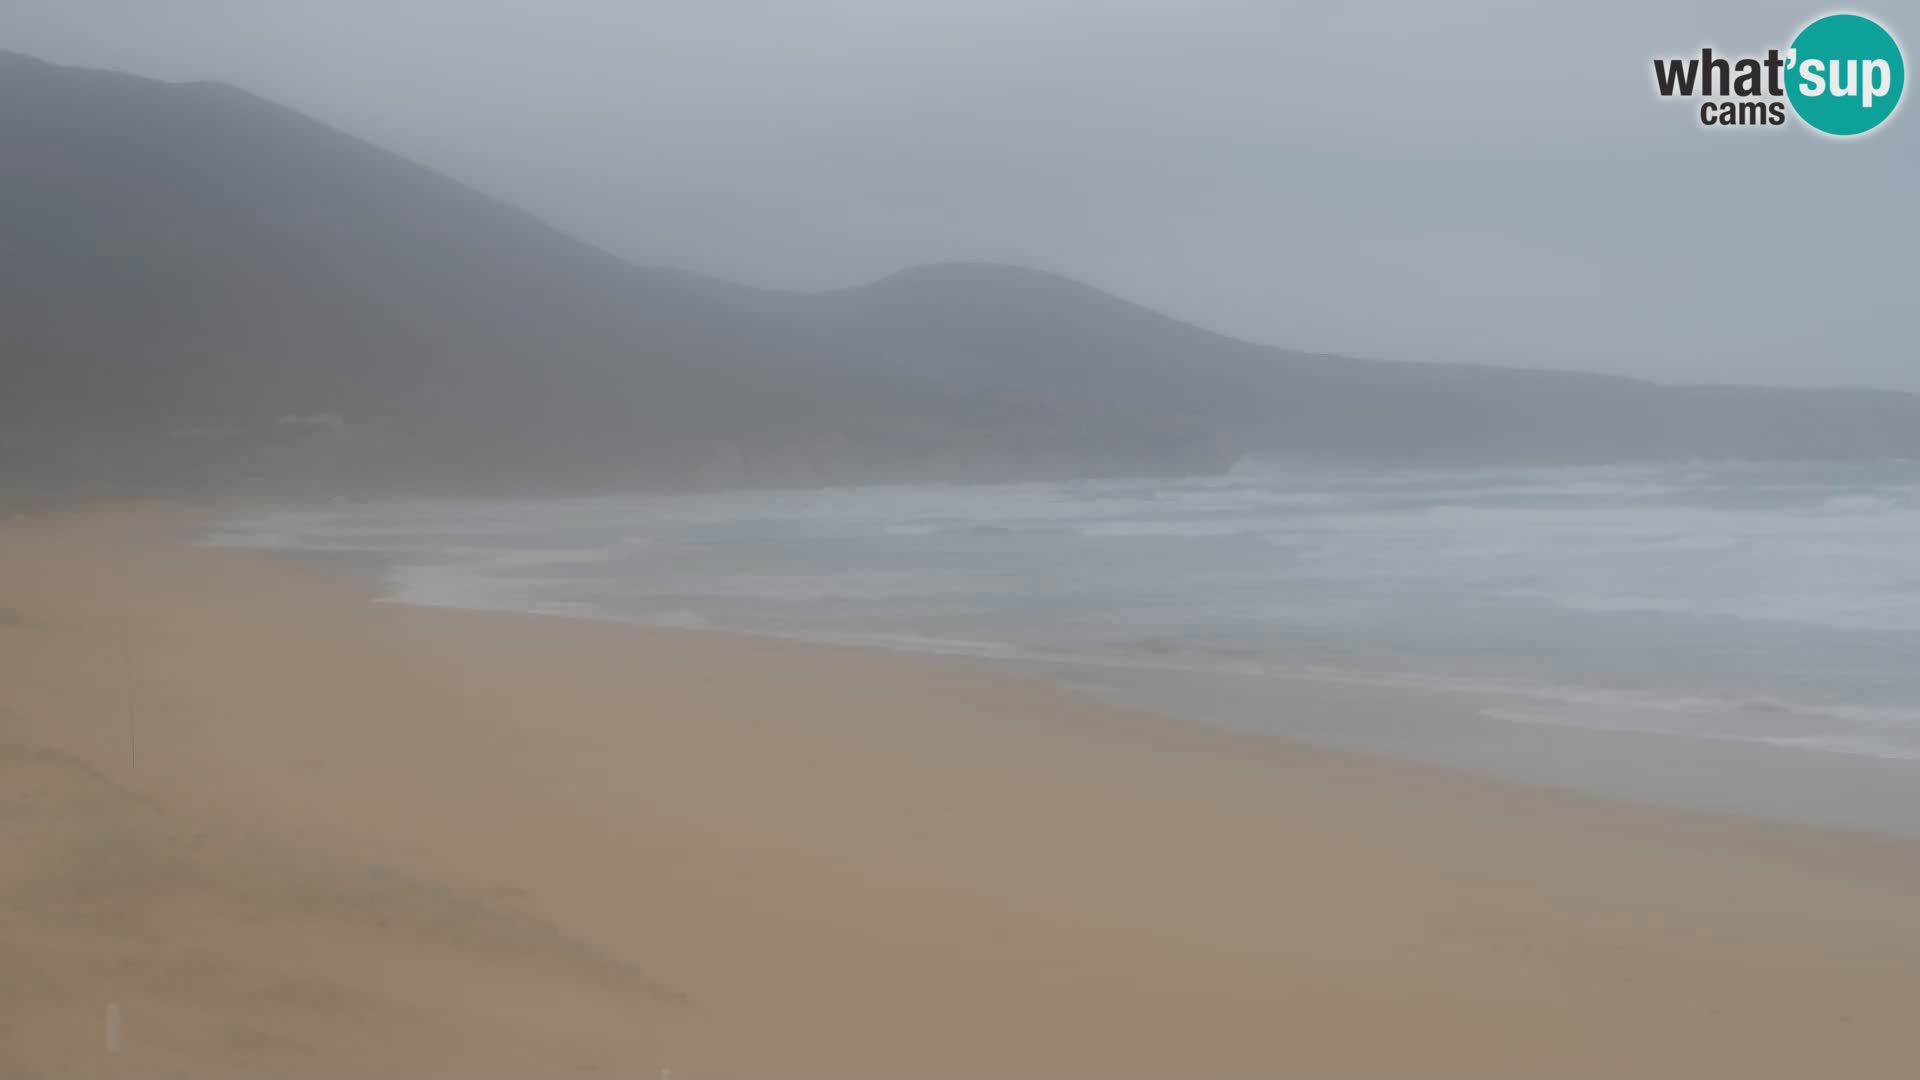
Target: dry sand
360 839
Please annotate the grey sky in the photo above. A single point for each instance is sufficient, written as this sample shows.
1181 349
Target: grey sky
1408 179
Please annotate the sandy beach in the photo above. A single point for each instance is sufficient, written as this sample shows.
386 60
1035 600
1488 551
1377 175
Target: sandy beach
287 830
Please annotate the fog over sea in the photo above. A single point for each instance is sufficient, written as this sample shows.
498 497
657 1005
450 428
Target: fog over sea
1595 626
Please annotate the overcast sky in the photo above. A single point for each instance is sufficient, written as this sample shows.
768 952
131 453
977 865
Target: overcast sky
1407 179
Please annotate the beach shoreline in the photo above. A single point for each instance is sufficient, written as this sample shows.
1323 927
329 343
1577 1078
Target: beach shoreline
286 829
1763 757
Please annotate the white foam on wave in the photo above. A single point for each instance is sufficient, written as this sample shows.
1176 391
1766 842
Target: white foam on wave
536 558
1862 504
467 588
1889 733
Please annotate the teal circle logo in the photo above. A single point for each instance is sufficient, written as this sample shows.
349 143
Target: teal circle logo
1845 74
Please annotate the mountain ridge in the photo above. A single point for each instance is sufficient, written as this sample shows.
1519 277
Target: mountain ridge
204 290
190 256
978 324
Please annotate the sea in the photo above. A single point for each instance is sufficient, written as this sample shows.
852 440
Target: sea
1741 637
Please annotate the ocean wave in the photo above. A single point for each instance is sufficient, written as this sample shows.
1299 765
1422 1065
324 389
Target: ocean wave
1593 597
1863 504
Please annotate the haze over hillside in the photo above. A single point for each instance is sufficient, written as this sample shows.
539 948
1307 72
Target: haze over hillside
203 290
201 287
1046 336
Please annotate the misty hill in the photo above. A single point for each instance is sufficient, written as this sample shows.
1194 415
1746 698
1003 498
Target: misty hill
1042 335
199 287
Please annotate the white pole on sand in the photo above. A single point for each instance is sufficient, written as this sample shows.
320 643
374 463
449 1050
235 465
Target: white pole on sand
126 692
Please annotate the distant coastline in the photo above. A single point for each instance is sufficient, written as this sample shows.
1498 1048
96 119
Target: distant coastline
392 331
